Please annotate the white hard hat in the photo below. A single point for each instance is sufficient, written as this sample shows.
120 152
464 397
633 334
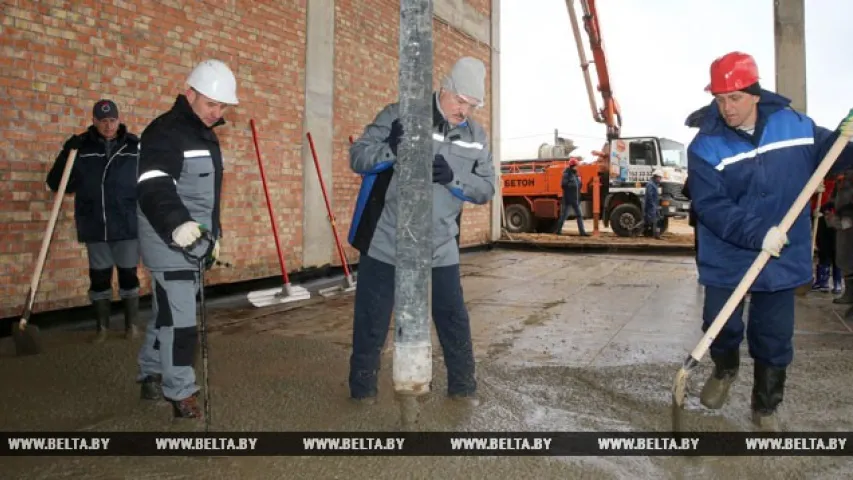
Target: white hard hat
657 173
214 79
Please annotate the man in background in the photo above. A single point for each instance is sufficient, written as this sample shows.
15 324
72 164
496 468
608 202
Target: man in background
103 181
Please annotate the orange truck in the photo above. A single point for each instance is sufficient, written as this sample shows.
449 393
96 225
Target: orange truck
532 194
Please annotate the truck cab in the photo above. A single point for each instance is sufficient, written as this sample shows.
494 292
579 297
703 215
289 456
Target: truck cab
632 161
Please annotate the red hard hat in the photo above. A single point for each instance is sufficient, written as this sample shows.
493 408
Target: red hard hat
732 72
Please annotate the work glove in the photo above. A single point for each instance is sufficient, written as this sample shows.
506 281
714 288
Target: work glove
774 241
186 234
215 252
395 136
846 126
441 172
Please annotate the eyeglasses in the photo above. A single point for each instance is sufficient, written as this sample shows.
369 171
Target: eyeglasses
466 102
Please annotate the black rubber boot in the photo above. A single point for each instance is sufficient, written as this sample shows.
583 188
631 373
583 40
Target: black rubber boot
847 297
131 314
102 319
767 393
715 392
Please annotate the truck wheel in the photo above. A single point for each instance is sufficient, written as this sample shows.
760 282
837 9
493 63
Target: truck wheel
519 219
625 218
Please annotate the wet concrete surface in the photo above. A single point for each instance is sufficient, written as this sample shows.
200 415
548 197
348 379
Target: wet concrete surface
564 342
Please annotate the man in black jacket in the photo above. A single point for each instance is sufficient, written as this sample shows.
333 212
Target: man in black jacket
180 182
570 182
103 180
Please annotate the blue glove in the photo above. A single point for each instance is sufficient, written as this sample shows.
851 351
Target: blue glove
441 172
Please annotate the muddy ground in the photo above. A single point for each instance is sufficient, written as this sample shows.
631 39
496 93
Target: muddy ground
563 342
679 236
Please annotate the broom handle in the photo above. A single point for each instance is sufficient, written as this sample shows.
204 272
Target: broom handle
48 236
332 221
799 204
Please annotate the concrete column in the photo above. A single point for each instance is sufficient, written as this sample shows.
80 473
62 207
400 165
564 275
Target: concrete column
497 203
789 29
318 244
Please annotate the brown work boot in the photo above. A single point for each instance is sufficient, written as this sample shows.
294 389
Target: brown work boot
186 408
715 392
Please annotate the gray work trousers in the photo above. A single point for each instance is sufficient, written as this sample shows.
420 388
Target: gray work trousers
171 336
103 256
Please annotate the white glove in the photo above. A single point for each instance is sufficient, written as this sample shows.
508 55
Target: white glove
215 252
774 241
846 126
820 188
186 234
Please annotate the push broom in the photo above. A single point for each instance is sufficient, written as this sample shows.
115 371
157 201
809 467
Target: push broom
349 284
679 387
26 337
287 293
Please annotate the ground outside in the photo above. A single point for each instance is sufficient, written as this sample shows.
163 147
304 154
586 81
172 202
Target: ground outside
564 342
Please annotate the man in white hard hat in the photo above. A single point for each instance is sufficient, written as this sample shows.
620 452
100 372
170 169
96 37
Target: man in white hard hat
179 186
462 172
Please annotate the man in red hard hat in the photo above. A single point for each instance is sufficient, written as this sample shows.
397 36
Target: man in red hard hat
571 183
751 158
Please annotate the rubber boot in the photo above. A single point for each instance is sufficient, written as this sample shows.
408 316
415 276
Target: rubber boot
847 297
131 314
150 388
715 392
472 400
836 280
102 319
767 392
821 283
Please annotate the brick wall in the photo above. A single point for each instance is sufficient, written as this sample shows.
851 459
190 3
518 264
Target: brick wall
57 61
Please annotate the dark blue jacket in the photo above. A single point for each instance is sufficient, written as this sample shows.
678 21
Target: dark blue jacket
570 182
651 202
103 181
742 185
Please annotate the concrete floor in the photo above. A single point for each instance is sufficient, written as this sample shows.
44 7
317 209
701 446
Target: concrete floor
563 342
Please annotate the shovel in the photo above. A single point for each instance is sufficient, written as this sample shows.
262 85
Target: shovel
679 387
26 337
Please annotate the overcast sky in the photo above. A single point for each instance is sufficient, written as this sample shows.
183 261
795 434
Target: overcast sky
658 53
